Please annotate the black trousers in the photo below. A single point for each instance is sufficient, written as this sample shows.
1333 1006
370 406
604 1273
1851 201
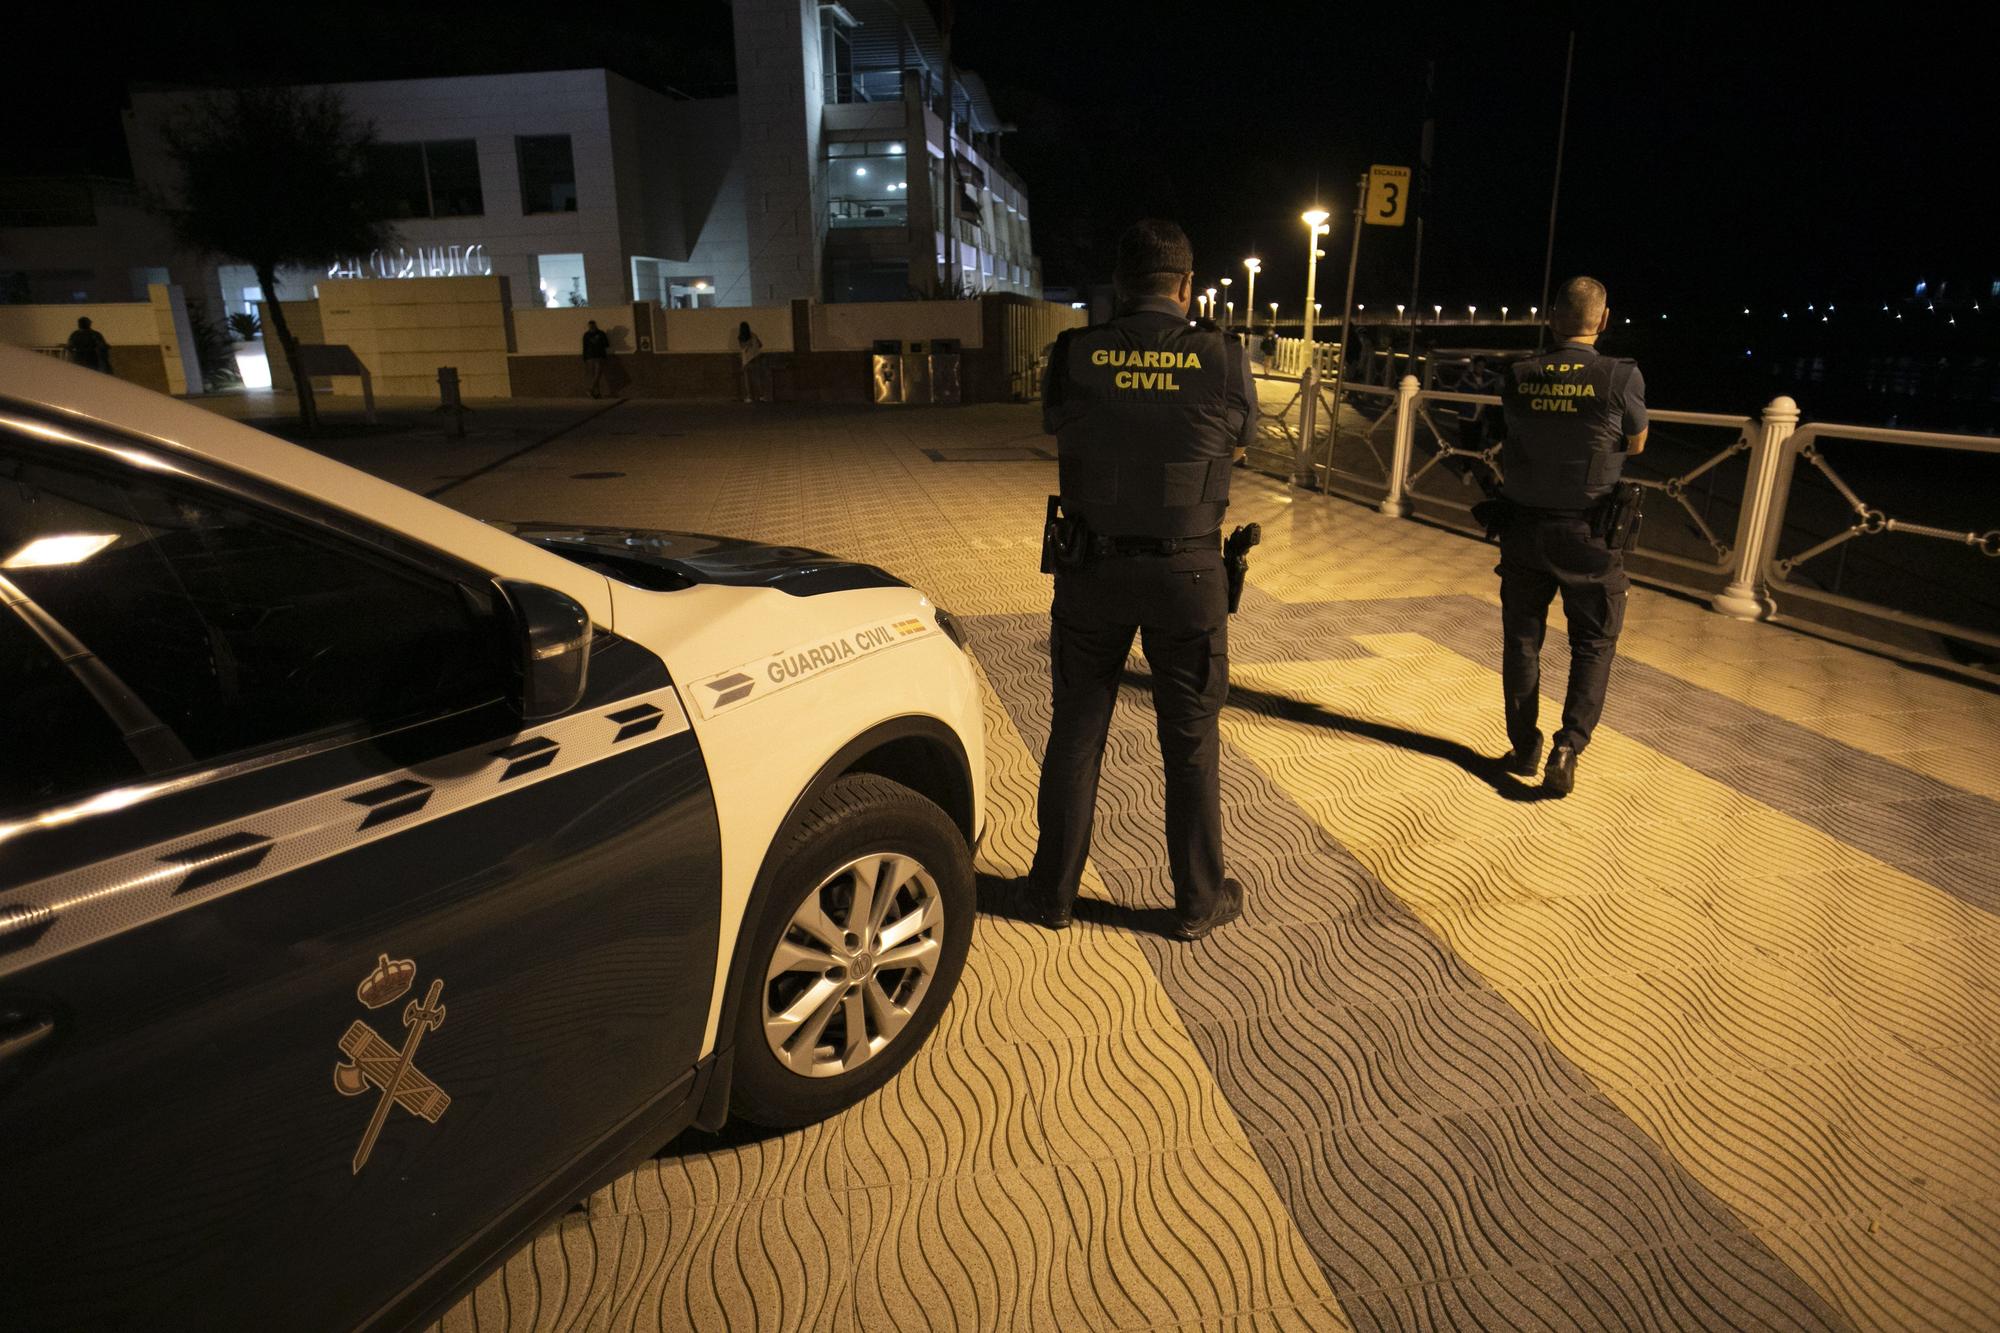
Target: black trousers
1540 557
1179 607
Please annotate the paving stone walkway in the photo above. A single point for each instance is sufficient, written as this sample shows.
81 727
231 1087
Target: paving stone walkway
1710 1044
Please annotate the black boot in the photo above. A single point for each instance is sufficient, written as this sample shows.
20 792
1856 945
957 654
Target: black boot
1522 760
1559 779
1228 911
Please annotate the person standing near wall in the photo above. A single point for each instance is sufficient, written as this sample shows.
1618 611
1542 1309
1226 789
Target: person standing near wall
88 348
748 348
596 356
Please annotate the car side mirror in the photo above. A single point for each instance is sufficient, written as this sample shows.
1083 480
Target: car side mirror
549 637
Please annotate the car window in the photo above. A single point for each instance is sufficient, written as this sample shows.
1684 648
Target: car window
59 741
236 630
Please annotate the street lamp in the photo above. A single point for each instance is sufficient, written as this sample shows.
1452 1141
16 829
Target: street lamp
1209 311
1227 304
1253 265
1399 313
1274 319
1315 220
1534 312
1472 312
1228 313
1437 312
1503 314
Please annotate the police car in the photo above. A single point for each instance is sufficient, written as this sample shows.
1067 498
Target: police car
375 881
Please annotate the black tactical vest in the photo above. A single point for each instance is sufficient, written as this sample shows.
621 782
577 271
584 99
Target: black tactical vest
1565 444
1146 449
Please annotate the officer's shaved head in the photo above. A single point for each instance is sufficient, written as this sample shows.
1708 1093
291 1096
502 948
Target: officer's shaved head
1153 257
1579 308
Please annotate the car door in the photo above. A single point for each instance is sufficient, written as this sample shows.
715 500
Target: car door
316 963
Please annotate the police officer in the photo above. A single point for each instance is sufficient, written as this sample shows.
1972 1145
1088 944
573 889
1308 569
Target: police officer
1149 412
1573 416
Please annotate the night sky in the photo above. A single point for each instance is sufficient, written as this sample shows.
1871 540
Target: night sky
1713 159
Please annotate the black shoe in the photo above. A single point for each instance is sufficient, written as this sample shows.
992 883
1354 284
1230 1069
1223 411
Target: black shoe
1038 905
1559 779
1522 760
1232 907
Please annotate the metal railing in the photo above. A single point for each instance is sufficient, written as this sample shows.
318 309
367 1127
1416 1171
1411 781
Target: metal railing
1939 605
1750 538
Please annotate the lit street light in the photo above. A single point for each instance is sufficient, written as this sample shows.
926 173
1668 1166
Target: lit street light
1227 304
1252 265
1315 220
1472 312
1229 312
1399 312
1209 311
1274 319
1503 314
1437 312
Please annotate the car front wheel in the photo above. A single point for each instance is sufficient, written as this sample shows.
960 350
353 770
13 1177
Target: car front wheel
856 957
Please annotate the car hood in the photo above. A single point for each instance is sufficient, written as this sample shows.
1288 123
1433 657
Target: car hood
669 561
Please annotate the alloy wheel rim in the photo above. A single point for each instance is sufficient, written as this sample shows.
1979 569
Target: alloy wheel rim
853 965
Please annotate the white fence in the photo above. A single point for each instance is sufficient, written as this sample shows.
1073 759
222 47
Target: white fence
1750 513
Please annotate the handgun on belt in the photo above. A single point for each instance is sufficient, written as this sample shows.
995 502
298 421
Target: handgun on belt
1236 559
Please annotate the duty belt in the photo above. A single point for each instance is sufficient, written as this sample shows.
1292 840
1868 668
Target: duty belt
1102 545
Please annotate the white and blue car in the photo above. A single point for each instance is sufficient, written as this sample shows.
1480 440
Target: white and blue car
375 882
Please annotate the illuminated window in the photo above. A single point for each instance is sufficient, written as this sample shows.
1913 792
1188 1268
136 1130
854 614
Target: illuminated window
867 183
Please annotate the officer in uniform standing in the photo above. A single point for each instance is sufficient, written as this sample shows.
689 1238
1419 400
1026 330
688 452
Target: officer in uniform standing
1149 412
1573 417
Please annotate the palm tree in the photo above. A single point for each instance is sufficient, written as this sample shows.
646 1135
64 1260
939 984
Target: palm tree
276 178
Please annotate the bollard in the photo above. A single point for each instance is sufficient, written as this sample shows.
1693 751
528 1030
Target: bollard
1395 504
1745 597
1302 464
449 400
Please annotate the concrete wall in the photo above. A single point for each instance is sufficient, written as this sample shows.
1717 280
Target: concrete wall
302 318
854 326
715 330
404 330
151 341
781 93
559 331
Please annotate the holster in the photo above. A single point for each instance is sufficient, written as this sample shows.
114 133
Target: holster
1618 517
1236 560
1065 539
1494 514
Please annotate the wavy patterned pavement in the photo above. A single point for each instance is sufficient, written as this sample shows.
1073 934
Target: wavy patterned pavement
1709 1044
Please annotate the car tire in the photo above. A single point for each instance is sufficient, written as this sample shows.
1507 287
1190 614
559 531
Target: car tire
821 1025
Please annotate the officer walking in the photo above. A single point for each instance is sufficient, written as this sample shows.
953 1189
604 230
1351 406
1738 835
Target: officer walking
1573 416
1149 411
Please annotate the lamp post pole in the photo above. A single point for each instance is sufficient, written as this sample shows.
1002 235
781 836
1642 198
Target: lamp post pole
1227 304
1315 220
1250 292
1346 328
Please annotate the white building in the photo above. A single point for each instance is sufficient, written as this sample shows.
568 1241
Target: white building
825 177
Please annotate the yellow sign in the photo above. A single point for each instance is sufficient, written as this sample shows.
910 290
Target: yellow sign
1388 196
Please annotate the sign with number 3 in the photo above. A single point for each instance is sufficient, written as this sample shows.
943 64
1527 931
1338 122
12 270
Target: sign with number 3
1388 196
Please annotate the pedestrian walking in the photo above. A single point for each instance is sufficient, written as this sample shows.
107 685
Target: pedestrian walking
596 358
1149 411
748 348
88 348
1573 416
